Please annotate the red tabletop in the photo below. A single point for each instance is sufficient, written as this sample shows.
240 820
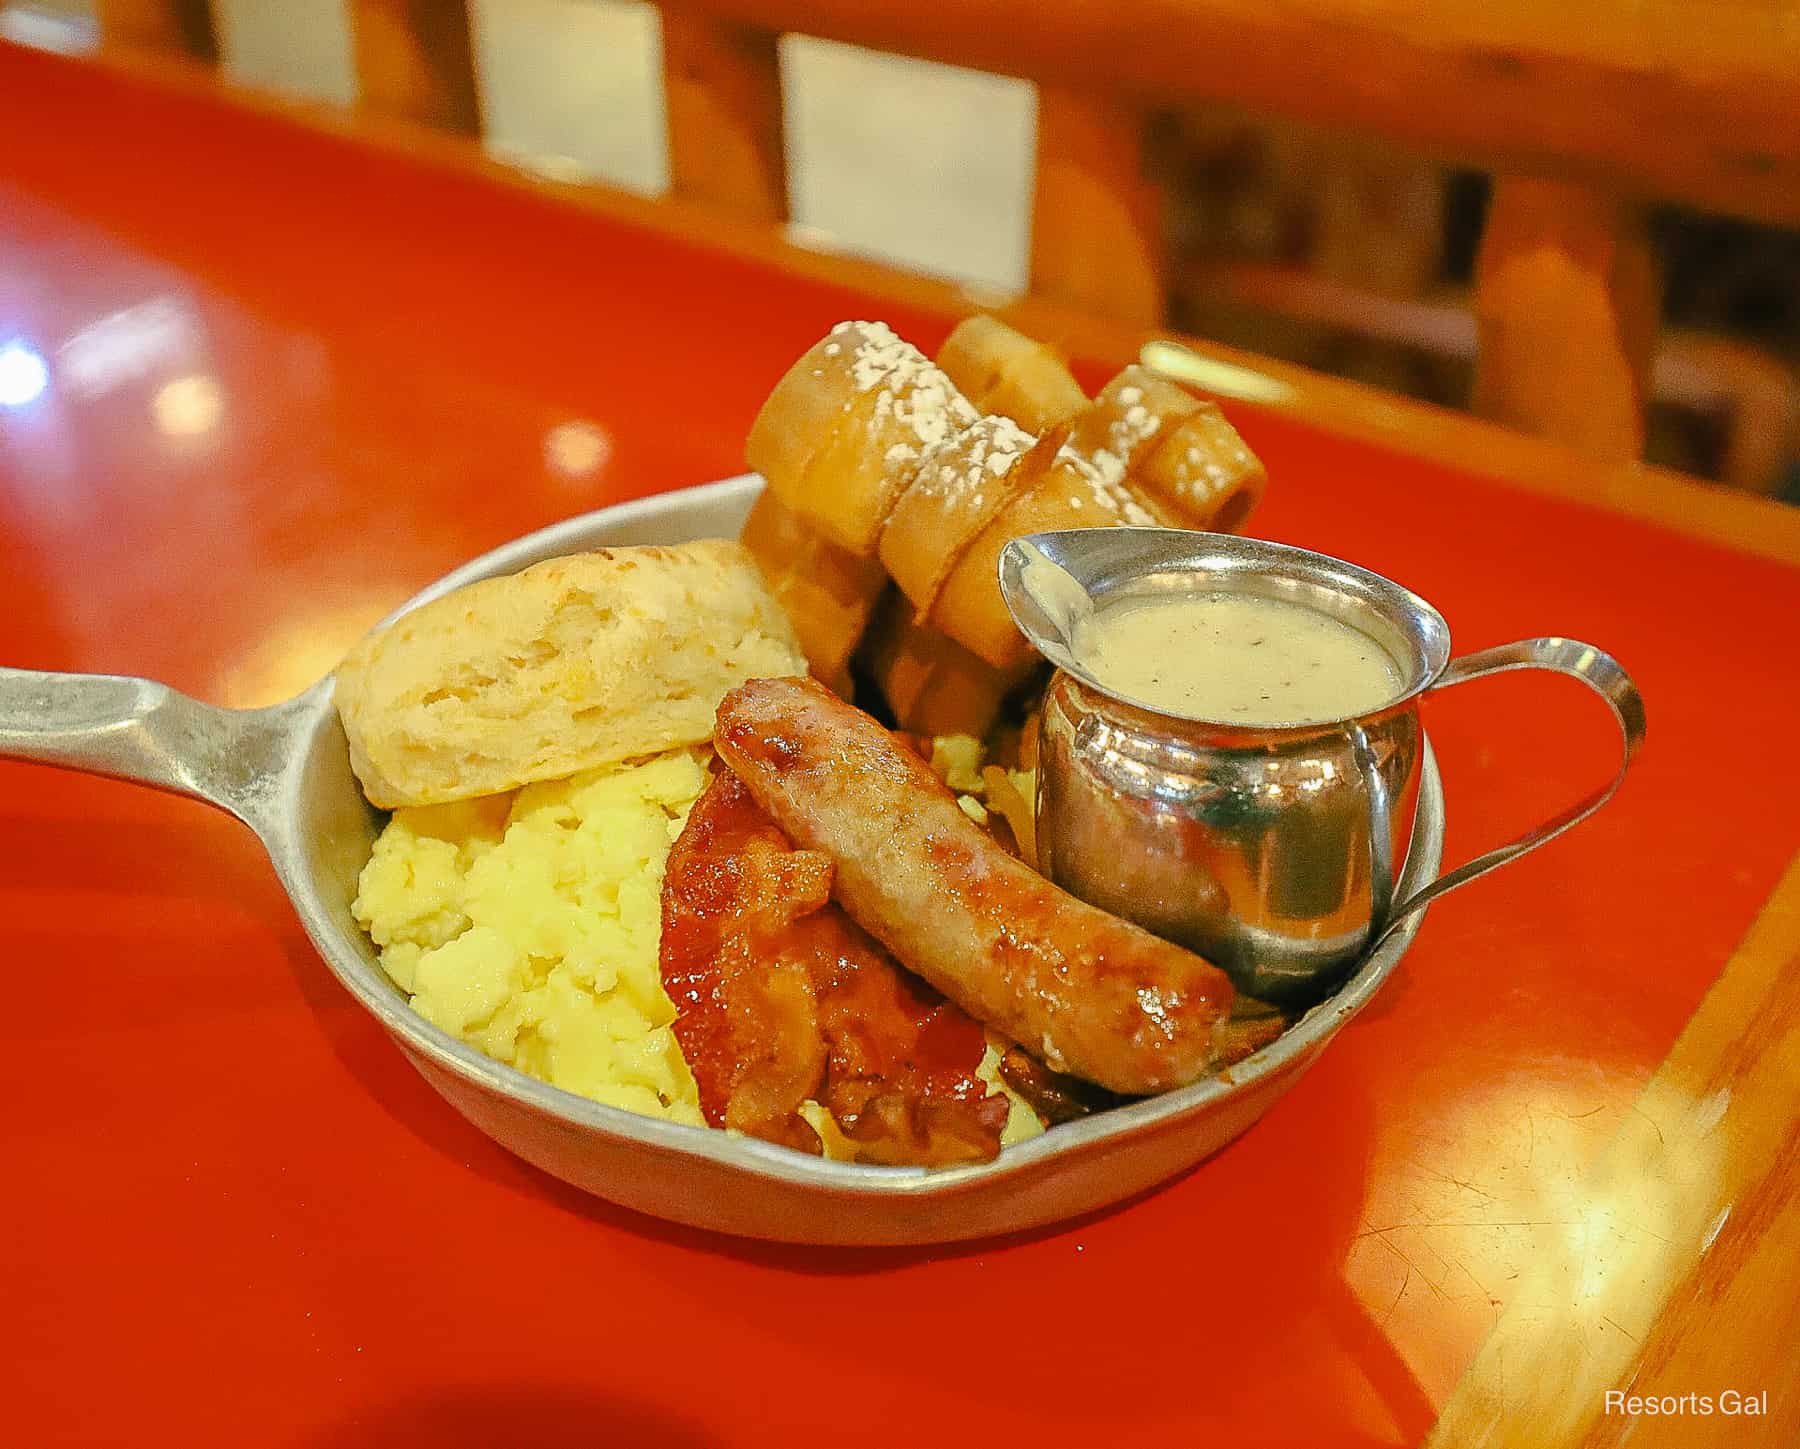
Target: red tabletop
288 381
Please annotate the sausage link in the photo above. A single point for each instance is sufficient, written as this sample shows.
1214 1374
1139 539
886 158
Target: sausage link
1091 994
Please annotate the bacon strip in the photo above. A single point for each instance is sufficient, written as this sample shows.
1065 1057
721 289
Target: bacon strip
781 998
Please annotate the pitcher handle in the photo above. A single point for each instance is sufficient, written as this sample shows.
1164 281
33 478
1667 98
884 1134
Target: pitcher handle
142 731
1601 673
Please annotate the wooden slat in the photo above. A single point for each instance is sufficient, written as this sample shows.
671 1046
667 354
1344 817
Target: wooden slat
1679 1275
1753 391
1333 406
415 60
1765 426
1692 99
1096 223
176 27
1567 298
722 84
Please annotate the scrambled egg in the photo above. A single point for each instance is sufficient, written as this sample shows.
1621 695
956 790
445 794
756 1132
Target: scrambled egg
528 925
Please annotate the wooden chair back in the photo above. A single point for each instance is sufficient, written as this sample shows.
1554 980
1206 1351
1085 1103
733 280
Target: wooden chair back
1582 113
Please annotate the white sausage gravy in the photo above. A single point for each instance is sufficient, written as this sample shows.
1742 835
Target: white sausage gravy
1235 659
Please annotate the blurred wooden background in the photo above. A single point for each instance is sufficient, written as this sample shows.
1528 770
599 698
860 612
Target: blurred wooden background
1579 226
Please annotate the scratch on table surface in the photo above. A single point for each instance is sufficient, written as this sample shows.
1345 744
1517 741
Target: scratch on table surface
1410 1265
1661 1141
1637 1227
1474 1223
1450 1258
1446 1265
1394 1307
1607 1318
1462 1182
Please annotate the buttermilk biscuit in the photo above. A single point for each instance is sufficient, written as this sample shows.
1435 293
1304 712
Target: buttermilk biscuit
574 663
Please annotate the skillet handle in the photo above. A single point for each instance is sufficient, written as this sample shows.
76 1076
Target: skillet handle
145 732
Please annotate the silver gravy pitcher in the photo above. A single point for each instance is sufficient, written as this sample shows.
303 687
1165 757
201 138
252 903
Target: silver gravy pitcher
1272 851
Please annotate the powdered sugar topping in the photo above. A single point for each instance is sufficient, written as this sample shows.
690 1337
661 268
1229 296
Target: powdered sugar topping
911 392
1100 480
959 474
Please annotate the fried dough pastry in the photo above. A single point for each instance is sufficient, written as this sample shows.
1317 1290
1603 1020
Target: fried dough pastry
1203 470
1121 427
1181 456
959 485
842 433
872 452
782 999
1071 493
827 592
1001 370
933 685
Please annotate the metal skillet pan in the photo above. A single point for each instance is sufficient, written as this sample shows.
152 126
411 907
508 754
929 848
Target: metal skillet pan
285 772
